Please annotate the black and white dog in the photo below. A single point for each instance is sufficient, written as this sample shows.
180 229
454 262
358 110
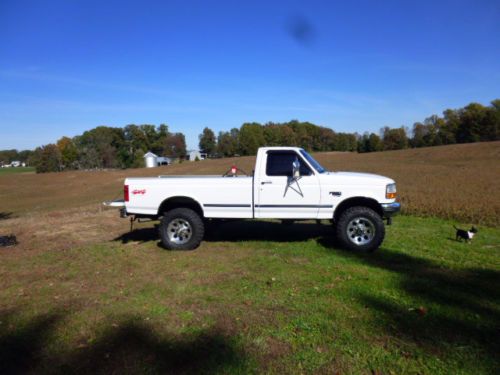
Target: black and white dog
466 235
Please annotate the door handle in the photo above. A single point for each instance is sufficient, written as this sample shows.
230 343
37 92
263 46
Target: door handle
266 182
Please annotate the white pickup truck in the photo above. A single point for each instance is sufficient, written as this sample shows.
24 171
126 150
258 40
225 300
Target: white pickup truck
287 184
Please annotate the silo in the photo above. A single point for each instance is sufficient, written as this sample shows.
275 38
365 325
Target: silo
150 160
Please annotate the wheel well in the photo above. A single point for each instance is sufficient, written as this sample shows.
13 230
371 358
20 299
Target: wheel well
180 202
357 201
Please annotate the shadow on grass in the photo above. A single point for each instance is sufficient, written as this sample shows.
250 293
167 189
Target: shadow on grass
6 215
139 235
130 347
250 230
454 309
241 230
20 347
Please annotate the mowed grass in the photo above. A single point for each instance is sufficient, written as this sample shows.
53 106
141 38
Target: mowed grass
459 182
10 171
256 297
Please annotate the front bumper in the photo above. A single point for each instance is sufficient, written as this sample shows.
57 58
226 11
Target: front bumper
391 209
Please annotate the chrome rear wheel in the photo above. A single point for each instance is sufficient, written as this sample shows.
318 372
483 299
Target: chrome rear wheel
179 231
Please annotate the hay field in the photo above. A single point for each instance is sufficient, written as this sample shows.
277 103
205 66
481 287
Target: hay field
459 182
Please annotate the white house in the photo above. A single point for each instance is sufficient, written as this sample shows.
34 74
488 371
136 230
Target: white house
193 154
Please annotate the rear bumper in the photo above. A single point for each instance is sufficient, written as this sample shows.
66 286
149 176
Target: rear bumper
116 203
391 209
123 212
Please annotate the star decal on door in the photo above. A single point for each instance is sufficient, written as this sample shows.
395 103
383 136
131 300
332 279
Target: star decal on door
289 186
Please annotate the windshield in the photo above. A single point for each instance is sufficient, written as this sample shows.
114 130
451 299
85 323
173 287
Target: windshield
313 162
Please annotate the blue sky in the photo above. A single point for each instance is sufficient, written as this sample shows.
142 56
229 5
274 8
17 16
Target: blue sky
69 66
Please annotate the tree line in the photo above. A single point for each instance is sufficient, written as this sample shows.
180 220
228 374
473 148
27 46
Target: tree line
115 147
250 136
472 123
102 147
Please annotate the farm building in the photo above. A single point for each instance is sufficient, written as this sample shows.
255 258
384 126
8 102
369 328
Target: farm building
166 160
152 160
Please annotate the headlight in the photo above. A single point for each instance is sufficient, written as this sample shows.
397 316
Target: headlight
390 191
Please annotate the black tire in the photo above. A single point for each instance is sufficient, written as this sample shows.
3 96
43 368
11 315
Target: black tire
192 229
360 229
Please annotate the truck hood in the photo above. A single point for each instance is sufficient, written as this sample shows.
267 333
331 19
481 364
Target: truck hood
349 178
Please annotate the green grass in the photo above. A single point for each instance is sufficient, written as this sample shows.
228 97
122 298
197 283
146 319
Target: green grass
257 298
9 171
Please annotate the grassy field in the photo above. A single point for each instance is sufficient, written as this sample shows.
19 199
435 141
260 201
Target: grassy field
256 297
10 171
82 294
460 182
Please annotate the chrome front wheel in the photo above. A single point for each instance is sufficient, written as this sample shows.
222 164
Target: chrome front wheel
360 231
360 228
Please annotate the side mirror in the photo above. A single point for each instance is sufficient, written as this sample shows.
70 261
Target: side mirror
296 168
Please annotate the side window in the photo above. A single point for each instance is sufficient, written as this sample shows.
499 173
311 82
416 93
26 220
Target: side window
280 164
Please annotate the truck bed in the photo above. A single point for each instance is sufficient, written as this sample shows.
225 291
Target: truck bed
227 197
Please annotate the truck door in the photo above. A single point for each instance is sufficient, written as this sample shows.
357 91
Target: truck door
282 195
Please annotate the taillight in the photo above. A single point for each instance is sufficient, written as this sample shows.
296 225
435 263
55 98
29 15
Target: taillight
125 193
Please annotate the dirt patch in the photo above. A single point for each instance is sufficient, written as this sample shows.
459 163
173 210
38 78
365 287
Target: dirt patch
277 348
64 229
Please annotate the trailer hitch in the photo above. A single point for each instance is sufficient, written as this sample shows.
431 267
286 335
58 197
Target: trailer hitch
134 218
